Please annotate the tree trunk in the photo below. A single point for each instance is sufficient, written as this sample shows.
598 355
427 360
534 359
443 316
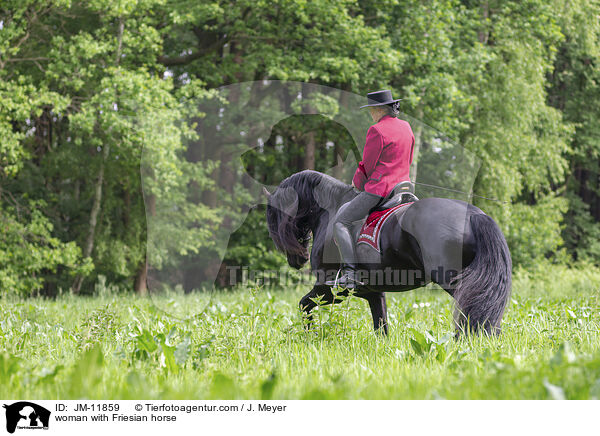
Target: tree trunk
308 161
309 151
141 287
418 134
89 242
483 34
338 169
596 209
141 278
211 151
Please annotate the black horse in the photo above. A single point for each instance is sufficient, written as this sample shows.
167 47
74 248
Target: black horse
448 242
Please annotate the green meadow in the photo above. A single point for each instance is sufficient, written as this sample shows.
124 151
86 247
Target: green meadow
251 344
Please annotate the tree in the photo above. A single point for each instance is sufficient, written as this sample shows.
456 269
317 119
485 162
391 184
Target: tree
574 90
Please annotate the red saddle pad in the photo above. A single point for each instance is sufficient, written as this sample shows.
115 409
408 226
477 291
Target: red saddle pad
369 232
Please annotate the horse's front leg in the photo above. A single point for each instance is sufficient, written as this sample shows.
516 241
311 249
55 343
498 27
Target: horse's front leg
307 303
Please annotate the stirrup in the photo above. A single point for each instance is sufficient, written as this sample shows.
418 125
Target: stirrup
343 281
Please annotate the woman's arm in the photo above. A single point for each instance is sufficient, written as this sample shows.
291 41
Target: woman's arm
371 153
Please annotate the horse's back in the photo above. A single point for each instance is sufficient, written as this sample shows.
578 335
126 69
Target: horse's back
440 227
442 217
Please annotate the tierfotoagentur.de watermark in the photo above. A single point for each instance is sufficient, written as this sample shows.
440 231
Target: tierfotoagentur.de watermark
244 275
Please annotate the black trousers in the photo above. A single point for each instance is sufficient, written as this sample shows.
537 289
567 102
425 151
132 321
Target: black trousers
355 210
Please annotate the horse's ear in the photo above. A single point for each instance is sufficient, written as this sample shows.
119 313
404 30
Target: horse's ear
266 192
292 209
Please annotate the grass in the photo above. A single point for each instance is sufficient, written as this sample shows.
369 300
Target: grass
251 344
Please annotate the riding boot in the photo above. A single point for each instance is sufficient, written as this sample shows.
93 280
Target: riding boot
345 242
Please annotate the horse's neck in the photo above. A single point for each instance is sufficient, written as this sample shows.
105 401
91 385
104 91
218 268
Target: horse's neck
330 196
330 193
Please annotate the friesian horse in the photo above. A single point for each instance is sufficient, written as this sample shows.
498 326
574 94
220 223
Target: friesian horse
448 242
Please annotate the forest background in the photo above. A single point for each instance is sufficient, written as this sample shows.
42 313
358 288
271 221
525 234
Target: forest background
516 83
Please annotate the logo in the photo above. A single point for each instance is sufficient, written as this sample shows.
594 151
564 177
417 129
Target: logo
26 415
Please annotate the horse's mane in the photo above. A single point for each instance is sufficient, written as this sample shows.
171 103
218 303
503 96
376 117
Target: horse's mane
297 204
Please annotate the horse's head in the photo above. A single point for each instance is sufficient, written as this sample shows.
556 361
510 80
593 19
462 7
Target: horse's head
289 225
299 205
294 209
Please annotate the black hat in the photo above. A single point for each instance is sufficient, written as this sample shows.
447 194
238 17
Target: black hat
379 98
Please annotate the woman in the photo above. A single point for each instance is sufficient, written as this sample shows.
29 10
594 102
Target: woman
385 163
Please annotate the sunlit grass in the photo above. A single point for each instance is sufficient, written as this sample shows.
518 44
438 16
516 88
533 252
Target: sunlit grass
251 343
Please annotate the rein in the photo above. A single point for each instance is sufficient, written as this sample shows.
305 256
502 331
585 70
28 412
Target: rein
462 192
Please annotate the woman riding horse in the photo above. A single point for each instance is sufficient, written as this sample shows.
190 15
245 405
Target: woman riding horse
449 242
386 161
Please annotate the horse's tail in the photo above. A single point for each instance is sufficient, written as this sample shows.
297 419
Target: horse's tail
482 289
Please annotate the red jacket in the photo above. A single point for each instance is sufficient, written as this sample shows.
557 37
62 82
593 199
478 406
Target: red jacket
387 156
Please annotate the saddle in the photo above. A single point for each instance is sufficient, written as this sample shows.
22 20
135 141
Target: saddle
403 192
402 195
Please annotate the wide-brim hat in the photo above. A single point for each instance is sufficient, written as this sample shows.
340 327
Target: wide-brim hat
380 98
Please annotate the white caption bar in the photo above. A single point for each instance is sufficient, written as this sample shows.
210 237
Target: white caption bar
91 417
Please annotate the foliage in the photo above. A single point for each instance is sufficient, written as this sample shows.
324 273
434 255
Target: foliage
90 90
574 90
28 251
535 230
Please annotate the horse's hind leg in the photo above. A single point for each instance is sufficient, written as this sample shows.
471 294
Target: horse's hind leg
378 307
